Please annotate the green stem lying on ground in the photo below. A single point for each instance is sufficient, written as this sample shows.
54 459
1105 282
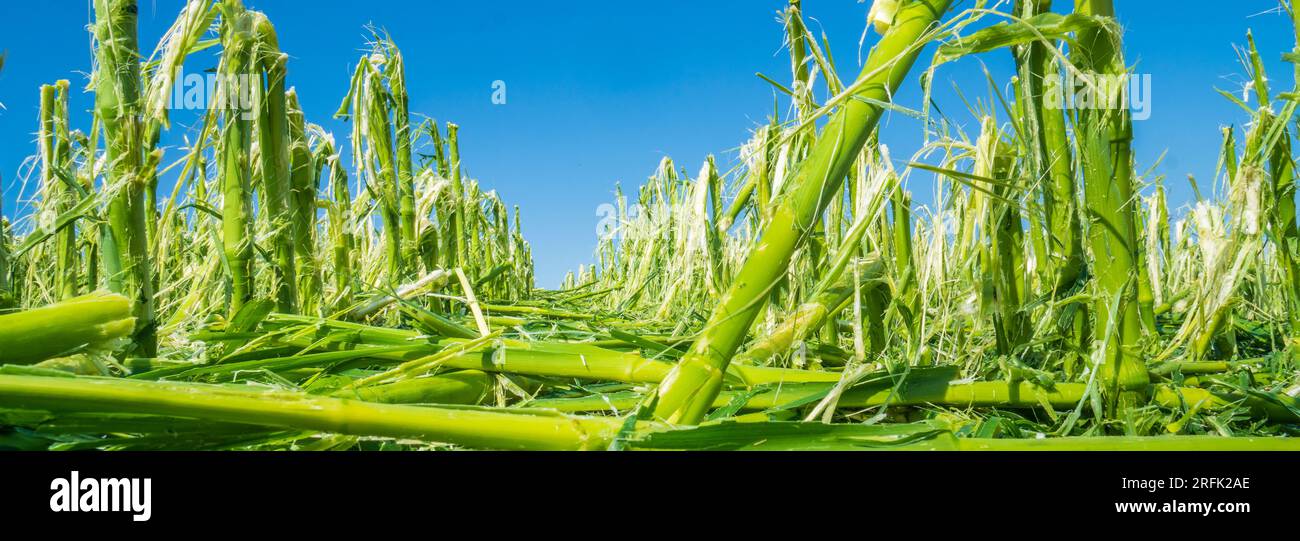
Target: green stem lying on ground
936 388
788 436
463 387
97 320
528 357
472 427
482 428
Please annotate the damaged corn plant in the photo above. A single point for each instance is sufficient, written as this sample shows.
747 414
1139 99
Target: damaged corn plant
297 289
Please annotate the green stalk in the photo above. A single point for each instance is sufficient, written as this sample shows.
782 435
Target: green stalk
477 428
340 219
903 262
463 387
1145 289
685 395
537 311
829 299
1279 408
92 237
935 387
456 200
273 149
560 360
395 71
236 139
917 390
7 297
797 37
714 237
1282 216
56 161
753 179
791 436
153 132
372 133
380 136
1130 443
303 178
1228 154
95 321
1063 252
117 104
1064 241
166 427
439 150
1111 208
766 165
530 358
1159 251
1282 213
1003 265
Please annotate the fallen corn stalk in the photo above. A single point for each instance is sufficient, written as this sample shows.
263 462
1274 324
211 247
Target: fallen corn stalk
471 427
95 321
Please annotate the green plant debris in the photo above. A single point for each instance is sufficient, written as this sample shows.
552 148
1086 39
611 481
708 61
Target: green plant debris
1047 299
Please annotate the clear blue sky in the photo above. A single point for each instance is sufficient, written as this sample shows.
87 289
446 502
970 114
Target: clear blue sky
599 91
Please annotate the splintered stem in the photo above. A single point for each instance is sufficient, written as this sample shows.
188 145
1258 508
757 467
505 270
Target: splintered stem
95 321
303 179
810 316
236 140
56 161
395 72
117 105
686 394
274 150
342 242
1106 155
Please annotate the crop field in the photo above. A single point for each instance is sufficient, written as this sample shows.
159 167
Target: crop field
296 289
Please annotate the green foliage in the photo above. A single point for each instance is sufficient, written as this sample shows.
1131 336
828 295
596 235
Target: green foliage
1047 298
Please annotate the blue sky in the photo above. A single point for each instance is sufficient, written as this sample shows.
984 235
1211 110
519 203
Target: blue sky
598 92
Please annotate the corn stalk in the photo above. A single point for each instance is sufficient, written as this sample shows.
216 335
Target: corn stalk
117 105
686 394
237 63
1111 206
99 321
